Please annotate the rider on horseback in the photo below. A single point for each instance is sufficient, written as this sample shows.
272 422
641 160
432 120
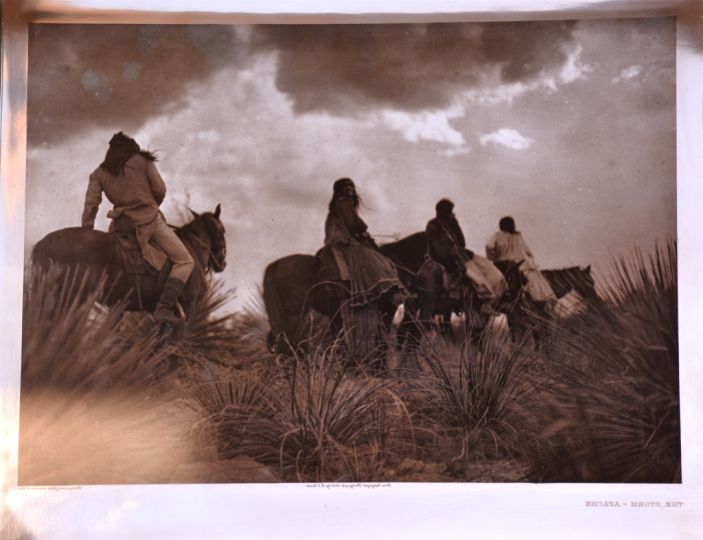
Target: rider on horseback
447 246
370 274
508 245
131 182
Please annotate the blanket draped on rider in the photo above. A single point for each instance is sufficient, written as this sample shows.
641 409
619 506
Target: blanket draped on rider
369 273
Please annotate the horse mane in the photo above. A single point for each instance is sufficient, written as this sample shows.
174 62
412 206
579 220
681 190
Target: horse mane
190 228
568 272
565 279
206 224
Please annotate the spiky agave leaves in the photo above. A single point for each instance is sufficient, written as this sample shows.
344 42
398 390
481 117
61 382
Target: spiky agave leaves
215 338
615 399
238 415
338 419
91 399
70 341
473 391
311 418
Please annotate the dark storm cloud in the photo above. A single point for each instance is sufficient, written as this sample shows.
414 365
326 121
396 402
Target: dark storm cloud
120 76
83 76
345 68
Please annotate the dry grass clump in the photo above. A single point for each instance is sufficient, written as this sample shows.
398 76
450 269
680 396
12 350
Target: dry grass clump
614 399
104 401
96 406
468 401
70 342
212 338
307 416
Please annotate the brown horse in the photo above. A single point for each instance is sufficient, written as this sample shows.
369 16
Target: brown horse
426 281
295 295
96 255
528 317
574 278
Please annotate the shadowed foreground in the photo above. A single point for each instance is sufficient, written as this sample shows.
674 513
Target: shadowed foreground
100 403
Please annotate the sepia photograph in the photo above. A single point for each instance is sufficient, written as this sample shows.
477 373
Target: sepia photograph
339 253
301 271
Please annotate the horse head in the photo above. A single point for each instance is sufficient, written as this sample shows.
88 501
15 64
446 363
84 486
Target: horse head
573 278
210 234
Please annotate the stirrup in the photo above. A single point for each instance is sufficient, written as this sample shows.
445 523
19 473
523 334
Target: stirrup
170 317
164 318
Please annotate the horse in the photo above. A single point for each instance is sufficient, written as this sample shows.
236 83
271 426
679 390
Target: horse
572 279
96 256
525 315
292 287
425 278
516 305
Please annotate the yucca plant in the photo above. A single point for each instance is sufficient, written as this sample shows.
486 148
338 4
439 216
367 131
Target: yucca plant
333 414
238 415
212 337
69 341
614 399
310 417
473 392
92 401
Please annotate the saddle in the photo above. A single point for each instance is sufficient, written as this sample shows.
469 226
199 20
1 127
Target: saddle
123 233
329 275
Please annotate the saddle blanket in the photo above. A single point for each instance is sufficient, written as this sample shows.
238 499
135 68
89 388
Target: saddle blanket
134 262
488 280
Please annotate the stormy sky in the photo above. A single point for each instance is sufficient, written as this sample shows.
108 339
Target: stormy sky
567 126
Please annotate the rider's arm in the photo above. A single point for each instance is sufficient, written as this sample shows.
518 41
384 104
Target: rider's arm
354 224
491 249
441 245
459 233
93 198
434 237
156 183
526 248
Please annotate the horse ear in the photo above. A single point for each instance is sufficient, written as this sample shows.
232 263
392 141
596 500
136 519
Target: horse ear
195 214
588 269
217 211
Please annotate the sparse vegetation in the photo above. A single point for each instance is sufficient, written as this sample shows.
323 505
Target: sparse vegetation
601 405
614 391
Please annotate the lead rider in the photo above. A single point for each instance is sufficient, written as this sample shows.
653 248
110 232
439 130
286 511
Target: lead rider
129 178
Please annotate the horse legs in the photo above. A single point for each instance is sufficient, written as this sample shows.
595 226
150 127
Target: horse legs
475 320
530 320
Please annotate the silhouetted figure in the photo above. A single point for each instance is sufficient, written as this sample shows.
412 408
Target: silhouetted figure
446 243
508 245
129 178
370 274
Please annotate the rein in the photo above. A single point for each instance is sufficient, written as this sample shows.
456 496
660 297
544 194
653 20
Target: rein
211 254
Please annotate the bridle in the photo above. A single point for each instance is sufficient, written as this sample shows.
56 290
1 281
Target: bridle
212 261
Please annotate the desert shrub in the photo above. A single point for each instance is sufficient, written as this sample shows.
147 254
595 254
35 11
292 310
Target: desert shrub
212 337
69 341
473 393
92 402
613 399
99 383
310 417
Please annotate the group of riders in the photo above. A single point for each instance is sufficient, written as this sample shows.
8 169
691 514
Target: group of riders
371 275
131 182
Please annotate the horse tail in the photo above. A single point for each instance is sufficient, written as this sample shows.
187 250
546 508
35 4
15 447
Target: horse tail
41 255
274 304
